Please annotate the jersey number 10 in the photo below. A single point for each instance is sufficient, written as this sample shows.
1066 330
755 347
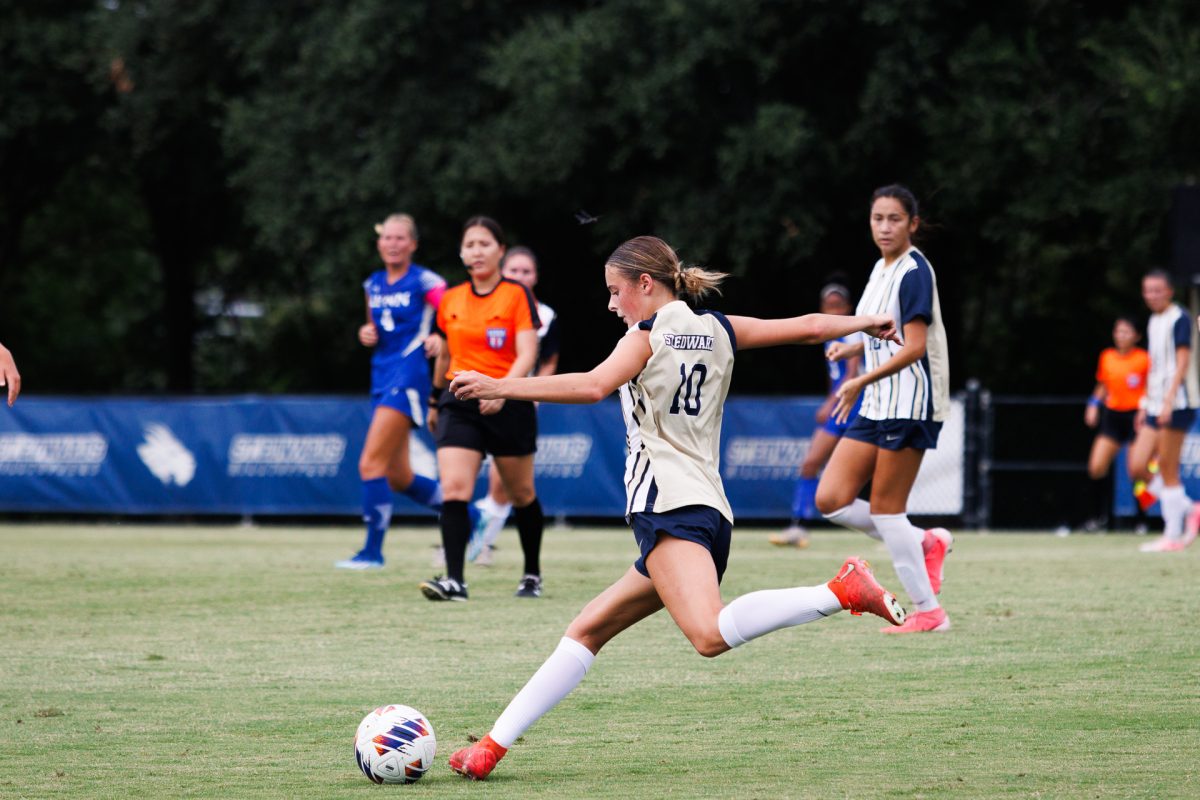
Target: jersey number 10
691 405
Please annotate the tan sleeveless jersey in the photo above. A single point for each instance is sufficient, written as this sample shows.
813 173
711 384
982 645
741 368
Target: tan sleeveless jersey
673 412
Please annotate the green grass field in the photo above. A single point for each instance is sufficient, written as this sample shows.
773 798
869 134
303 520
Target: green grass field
154 661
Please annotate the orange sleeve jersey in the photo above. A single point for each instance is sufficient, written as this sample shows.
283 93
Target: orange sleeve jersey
1123 377
481 330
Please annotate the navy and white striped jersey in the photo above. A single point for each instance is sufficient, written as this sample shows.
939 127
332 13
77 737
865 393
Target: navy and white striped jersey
1166 332
673 412
921 391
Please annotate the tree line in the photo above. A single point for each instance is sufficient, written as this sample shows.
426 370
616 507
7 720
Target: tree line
189 187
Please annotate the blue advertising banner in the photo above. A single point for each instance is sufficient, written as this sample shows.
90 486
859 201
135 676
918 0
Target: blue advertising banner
299 455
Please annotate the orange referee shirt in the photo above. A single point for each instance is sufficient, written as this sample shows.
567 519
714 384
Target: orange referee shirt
481 329
1123 377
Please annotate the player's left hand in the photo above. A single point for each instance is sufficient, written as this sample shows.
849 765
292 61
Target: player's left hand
487 407
847 394
9 377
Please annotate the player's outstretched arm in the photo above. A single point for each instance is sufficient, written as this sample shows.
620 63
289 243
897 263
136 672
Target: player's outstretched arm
809 329
627 359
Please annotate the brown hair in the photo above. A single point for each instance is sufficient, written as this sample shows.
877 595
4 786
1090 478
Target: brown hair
649 255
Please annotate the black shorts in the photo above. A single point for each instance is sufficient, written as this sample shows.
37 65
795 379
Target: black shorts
700 524
512 431
1116 425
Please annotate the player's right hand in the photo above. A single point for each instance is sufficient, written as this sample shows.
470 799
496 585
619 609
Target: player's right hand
368 335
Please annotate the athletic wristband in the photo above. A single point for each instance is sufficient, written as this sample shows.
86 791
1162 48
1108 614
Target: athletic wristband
1093 401
435 396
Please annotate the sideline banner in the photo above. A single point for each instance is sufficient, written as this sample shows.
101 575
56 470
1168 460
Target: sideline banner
299 455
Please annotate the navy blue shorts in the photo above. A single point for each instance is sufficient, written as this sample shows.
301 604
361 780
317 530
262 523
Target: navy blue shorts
1181 419
896 434
700 524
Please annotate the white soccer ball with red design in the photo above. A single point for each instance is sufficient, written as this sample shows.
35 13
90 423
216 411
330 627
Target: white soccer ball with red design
394 744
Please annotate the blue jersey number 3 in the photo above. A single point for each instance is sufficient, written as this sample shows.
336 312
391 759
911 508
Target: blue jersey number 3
691 405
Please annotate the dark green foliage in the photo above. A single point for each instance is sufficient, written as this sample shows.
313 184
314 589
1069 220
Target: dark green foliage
241 151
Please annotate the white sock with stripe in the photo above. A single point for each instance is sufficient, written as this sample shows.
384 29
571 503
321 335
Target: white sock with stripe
554 680
758 613
903 540
856 517
1174 503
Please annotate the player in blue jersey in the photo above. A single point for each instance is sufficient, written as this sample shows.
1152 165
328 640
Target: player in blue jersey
401 301
835 299
9 377
905 399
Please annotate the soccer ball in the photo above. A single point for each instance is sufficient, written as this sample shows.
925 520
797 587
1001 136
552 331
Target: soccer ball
394 744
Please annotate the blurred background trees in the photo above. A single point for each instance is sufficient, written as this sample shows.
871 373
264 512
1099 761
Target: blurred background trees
189 187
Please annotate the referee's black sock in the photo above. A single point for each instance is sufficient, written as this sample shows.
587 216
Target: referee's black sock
456 530
530 522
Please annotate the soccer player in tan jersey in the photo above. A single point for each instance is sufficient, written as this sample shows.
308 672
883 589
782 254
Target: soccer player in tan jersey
673 368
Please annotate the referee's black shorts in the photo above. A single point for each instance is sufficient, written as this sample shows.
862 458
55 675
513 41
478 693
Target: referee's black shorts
512 431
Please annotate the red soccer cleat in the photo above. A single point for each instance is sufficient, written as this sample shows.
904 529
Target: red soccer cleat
923 622
858 591
938 542
477 761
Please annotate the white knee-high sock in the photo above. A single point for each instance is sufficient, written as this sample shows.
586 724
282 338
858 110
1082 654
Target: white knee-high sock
856 517
496 522
553 681
903 540
758 613
1173 502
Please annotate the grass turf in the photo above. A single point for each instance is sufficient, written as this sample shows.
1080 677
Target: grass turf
155 661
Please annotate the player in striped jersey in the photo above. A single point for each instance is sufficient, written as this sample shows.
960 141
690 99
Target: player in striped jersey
1168 408
401 299
672 368
905 398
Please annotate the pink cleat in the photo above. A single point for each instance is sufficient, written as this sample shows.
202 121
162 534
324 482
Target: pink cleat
937 543
477 761
1164 545
1191 526
934 621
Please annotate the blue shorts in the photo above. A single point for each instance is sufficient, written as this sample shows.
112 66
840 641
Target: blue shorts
896 434
408 400
700 524
839 429
1181 419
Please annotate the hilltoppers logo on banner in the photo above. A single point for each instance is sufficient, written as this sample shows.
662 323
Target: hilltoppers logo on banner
291 455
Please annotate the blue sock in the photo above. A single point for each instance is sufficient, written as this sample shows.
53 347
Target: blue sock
377 514
425 491
804 500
